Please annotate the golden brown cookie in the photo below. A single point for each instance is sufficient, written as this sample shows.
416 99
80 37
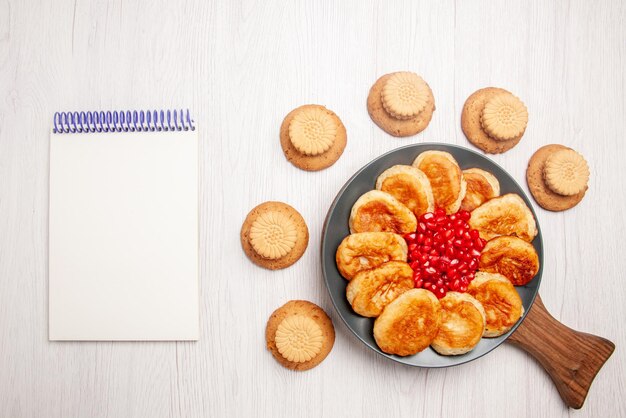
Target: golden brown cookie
471 122
274 235
403 124
545 197
312 137
299 335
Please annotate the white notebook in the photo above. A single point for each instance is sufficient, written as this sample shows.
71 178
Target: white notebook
123 237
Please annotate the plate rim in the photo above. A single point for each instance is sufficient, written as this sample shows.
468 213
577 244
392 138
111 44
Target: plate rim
323 247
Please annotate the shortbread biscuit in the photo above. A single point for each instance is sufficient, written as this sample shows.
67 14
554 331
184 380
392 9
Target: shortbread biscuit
274 235
392 125
312 137
405 95
566 172
472 125
542 194
299 335
504 117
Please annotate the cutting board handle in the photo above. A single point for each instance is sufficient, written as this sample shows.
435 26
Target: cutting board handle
571 358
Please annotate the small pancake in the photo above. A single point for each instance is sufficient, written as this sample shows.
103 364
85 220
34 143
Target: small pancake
367 250
446 179
379 211
410 186
481 186
462 324
310 311
408 324
370 291
545 197
504 215
502 304
514 258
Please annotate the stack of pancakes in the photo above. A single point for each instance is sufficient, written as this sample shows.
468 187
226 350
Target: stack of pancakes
374 257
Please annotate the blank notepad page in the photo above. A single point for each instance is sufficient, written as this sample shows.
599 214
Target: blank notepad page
123 255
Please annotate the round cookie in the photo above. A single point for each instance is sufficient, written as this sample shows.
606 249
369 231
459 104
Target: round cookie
391 125
545 197
293 254
472 128
313 162
301 311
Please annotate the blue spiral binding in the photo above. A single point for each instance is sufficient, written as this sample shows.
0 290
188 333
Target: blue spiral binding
123 121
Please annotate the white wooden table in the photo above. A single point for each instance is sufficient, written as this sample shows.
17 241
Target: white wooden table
241 66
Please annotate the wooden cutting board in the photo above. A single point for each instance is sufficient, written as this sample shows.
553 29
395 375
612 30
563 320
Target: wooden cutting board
571 358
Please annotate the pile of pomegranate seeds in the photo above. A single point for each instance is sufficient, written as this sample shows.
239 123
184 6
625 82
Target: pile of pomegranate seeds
444 252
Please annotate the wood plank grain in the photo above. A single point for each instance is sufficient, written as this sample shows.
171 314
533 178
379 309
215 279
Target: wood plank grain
241 66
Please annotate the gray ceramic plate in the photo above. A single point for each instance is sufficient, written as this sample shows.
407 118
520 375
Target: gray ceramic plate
336 229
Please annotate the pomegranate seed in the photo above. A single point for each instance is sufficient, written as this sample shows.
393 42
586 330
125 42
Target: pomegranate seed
427 216
453 275
431 271
444 252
